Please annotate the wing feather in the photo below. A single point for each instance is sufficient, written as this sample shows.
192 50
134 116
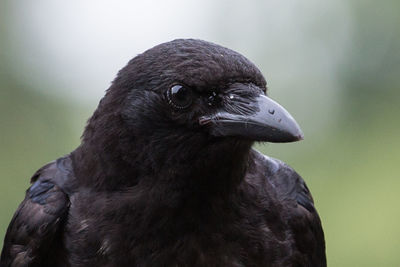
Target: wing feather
298 208
36 225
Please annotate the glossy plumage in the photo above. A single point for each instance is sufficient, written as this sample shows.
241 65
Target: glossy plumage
150 186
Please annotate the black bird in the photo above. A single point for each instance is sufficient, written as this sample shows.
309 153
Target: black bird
166 176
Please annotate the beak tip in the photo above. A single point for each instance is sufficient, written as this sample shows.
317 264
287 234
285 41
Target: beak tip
299 135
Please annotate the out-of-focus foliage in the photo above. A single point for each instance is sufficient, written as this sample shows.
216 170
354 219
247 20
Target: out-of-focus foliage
338 72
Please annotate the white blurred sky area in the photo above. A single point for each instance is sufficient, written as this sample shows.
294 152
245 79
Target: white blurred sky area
74 49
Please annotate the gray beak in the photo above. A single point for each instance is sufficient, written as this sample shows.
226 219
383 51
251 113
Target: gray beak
258 119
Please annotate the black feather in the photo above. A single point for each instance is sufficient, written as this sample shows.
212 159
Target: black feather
149 185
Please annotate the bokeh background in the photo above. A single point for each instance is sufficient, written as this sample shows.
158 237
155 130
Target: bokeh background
335 65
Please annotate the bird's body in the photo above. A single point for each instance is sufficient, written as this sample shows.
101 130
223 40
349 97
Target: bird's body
147 188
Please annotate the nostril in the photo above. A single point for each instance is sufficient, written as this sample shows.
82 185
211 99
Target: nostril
213 99
271 111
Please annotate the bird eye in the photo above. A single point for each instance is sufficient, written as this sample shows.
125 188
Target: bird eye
180 97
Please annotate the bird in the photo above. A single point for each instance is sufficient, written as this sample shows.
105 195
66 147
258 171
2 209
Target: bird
166 174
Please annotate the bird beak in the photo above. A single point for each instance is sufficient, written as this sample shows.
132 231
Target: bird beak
258 119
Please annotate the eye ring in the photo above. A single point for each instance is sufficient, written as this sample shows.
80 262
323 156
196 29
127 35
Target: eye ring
179 96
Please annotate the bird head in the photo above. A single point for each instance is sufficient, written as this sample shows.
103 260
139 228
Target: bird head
199 88
182 97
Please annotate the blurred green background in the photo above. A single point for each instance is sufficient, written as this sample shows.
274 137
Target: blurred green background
335 65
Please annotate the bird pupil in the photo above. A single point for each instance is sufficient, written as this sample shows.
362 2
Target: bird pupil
179 92
180 96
